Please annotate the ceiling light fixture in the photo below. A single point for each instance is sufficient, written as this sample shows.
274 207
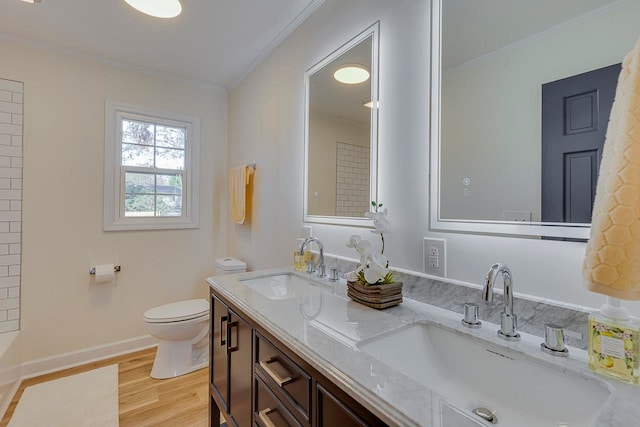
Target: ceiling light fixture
33 1
157 8
351 74
369 104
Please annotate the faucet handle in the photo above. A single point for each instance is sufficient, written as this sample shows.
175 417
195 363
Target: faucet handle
310 268
322 270
333 274
554 339
471 318
471 315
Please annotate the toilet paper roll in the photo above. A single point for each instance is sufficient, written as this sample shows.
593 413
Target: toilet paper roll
104 273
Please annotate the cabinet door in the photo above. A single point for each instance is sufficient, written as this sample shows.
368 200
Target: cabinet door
239 347
332 412
219 357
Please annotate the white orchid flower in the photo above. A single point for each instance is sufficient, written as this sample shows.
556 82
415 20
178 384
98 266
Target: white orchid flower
379 260
353 241
374 274
373 267
364 261
380 221
351 276
363 247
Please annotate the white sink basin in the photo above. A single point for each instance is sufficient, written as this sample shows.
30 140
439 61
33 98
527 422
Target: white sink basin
282 286
469 374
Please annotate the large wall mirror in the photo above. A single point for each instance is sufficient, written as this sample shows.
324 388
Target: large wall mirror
341 133
521 94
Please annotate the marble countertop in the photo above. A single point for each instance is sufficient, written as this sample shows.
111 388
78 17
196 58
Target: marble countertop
327 329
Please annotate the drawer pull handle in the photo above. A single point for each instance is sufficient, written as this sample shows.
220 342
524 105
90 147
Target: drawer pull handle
231 325
222 336
264 417
274 375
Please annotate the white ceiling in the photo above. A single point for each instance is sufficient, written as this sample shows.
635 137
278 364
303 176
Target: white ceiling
465 23
215 42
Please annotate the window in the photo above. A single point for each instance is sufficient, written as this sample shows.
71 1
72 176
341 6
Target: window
151 174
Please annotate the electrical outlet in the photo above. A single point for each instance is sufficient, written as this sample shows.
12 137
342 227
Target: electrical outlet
434 253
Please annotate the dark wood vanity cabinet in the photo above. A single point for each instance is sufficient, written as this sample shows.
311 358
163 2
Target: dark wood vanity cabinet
231 373
257 381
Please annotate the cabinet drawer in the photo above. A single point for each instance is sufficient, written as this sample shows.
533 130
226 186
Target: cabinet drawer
284 375
268 411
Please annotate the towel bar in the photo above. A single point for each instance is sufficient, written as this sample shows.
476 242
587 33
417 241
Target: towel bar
92 270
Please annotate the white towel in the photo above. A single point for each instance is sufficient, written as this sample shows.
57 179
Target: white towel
612 262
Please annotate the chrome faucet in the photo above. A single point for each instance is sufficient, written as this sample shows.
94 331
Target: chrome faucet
508 320
321 269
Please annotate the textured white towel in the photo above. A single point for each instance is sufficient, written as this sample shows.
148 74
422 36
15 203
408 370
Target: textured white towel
612 262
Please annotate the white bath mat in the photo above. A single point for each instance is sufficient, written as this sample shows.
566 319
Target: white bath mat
83 400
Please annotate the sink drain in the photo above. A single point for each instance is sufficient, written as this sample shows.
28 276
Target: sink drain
486 415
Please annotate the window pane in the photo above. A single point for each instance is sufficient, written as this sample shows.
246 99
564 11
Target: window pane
169 205
141 183
169 184
135 132
138 205
171 137
167 158
137 155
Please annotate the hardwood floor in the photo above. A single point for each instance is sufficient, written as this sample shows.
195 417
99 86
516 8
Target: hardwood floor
143 401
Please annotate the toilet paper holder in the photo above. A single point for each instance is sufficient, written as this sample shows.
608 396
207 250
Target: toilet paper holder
116 268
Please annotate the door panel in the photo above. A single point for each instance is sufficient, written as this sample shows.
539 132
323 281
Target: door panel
219 356
575 114
239 347
581 174
332 412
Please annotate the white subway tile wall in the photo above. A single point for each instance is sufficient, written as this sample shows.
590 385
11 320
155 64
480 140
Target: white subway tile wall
352 177
11 117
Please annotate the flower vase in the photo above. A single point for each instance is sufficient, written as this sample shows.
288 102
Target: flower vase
375 296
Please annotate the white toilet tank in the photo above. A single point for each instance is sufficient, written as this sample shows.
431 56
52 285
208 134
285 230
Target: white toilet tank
230 266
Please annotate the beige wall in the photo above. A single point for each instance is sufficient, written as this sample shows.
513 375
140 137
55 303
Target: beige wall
64 101
324 133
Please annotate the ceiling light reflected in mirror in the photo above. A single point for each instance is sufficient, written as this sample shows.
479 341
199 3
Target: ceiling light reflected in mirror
157 8
369 104
352 74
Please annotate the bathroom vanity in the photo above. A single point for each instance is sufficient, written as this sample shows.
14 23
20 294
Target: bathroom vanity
289 349
255 375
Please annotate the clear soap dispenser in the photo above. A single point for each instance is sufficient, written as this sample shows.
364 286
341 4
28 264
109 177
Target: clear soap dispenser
614 337
299 262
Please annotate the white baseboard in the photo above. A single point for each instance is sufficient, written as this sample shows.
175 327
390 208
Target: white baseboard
6 401
72 359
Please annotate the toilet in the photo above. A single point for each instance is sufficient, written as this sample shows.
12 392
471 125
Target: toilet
183 330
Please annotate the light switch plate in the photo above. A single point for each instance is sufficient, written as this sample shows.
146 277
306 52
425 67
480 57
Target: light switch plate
434 257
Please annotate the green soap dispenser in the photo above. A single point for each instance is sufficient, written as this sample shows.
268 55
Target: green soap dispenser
614 337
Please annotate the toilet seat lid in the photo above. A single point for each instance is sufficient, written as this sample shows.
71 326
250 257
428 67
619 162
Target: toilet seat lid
177 311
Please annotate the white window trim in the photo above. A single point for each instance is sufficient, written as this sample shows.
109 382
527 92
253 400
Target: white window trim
114 219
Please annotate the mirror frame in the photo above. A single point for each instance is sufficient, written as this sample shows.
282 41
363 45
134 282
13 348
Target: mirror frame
373 32
511 228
